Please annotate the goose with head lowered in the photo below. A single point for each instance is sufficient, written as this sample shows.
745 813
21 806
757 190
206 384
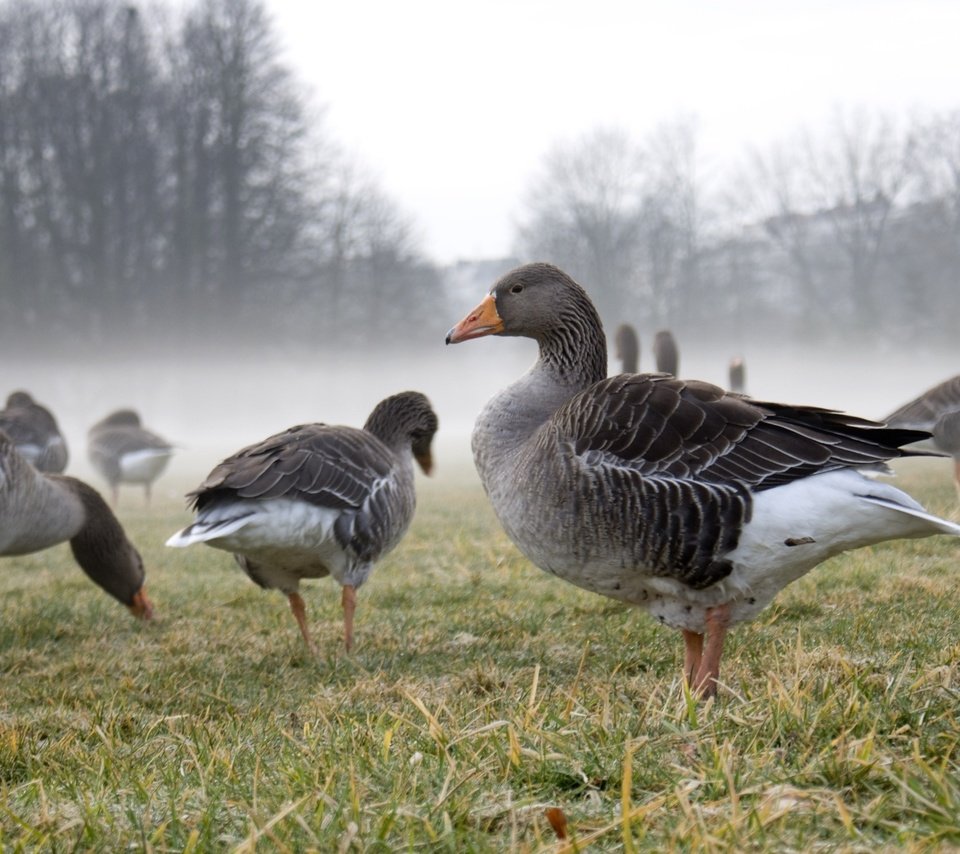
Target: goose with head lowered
317 500
694 504
40 510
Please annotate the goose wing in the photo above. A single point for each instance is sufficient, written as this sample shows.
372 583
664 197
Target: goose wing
664 427
334 467
328 466
924 411
673 463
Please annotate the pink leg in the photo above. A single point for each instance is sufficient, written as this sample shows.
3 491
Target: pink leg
956 473
349 601
300 612
718 619
693 652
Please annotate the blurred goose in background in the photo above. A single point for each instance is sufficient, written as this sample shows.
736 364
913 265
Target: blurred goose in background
34 432
937 411
317 500
40 510
678 497
122 450
627 348
666 355
738 375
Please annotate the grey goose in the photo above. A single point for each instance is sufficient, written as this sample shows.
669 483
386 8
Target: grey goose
738 375
35 432
666 354
122 450
692 503
39 510
937 411
317 500
627 348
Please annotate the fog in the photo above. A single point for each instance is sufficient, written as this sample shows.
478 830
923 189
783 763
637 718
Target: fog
212 403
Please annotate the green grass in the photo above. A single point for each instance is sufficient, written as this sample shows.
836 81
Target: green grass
481 693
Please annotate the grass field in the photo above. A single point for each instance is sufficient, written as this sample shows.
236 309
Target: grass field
482 699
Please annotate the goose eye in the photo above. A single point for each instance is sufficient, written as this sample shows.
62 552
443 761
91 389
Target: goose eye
516 289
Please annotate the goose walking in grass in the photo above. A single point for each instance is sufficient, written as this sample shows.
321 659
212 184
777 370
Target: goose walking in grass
627 348
666 354
937 411
40 510
35 433
678 497
122 450
317 500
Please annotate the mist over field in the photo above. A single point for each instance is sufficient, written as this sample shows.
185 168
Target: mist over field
211 403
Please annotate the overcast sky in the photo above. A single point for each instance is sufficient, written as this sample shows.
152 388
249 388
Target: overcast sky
452 105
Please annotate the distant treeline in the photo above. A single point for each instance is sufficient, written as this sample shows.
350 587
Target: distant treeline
852 234
161 176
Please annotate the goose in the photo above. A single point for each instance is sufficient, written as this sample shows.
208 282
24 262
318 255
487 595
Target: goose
34 432
666 355
122 450
39 510
317 500
738 375
937 411
692 503
627 347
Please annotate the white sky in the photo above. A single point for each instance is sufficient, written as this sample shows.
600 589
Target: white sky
452 105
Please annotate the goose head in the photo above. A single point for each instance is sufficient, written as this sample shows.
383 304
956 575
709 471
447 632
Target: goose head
542 302
406 419
106 555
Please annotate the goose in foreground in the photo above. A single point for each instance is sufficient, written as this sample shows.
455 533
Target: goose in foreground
937 411
122 450
738 375
666 354
690 502
40 510
317 500
627 348
34 432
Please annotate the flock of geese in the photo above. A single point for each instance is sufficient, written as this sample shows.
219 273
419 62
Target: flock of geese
694 503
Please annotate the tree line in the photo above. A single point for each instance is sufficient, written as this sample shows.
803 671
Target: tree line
161 175
852 233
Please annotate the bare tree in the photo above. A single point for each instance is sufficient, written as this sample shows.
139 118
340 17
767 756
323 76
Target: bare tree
585 213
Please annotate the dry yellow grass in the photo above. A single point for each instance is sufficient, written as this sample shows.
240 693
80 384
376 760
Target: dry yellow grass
481 694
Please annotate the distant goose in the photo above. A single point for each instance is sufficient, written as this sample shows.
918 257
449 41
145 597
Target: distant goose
35 432
694 504
937 410
738 375
40 510
666 354
123 451
628 348
317 500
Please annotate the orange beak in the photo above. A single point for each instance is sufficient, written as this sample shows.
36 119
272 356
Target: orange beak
483 320
140 606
